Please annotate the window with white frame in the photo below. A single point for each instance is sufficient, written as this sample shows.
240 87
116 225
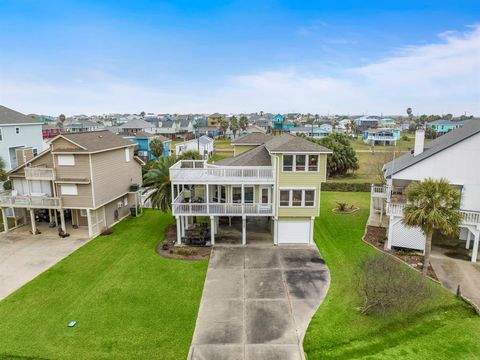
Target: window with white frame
236 194
83 212
300 163
69 189
248 195
66 160
297 198
127 154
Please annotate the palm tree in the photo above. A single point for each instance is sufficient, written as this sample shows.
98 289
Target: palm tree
156 147
432 206
234 126
223 123
158 179
243 122
410 114
61 120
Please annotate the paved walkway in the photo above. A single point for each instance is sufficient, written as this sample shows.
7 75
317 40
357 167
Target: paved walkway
24 256
257 303
453 267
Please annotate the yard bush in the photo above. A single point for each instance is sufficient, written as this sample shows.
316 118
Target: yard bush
346 187
388 286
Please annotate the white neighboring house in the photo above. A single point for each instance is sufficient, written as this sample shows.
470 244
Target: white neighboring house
20 135
203 145
453 156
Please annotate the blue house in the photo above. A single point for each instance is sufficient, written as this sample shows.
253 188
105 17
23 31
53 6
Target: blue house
144 139
443 126
278 122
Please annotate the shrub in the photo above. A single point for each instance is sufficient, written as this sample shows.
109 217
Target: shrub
388 286
346 187
405 138
342 206
186 252
107 231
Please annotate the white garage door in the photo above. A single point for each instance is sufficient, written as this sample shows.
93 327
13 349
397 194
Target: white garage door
293 232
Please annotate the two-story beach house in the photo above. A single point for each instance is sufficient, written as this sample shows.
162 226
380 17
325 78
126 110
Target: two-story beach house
143 140
274 178
452 156
204 145
383 136
20 135
87 180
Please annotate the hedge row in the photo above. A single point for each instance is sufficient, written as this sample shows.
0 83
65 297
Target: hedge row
346 187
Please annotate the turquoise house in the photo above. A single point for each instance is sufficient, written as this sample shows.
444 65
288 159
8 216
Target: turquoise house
279 123
144 139
445 126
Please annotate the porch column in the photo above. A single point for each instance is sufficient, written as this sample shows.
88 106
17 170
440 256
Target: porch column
182 225
275 233
217 224
390 234
49 215
62 221
243 199
179 230
475 246
381 212
32 220
312 226
212 230
244 230
55 217
5 220
207 198
467 245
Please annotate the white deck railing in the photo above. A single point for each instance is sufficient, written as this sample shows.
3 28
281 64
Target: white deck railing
39 173
195 171
381 137
468 217
227 209
24 201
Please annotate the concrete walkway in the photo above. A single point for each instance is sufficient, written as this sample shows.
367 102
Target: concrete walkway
24 256
257 303
453 267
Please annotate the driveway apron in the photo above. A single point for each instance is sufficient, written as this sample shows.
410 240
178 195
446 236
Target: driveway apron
257 302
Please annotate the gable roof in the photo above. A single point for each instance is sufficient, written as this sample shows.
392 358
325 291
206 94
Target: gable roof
202 139
9 116
439 144
145 135
252 139
290 143
257 156
94 141
137 124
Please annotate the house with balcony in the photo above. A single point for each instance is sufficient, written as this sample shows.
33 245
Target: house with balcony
82 181
272 186
19 134
143 140
452 156
382 136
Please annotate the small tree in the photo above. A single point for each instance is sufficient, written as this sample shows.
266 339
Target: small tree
234 125
156 147
142 114
343 158
61 120
432 205
190 155
223 124
388 286
243 122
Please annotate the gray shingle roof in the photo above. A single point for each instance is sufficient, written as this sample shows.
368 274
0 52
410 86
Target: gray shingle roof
290 143
257 156
252 139
137 124
96 141
432 148
9 116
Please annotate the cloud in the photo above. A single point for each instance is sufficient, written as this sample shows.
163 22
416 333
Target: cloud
440 77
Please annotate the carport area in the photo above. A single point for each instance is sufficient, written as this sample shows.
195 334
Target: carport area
258 231
24 256
452 263
257 302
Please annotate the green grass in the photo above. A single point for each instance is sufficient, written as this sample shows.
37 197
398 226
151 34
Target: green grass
446 328
219 155
402 145
129 302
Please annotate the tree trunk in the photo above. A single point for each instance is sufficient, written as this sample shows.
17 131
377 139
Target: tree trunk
428 250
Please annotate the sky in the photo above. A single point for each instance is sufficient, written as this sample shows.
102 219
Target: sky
189 56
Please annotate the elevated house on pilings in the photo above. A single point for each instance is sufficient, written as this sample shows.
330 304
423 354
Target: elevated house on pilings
269 191
453 156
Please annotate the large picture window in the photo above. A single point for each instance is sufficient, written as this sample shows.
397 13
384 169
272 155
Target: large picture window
66 160
300 163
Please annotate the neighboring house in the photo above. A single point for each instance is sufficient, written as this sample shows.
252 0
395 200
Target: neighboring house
278 122
452 156
278 180
50 131
83 180
19 135
81 125
203 145
214 119
264 124
137 125
314 132
328 128
366 122
210 131
143 140
443 126
374 137
387 123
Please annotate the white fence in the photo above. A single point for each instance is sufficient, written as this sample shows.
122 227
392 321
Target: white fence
42 202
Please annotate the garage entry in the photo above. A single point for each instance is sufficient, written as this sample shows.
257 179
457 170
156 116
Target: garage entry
294 232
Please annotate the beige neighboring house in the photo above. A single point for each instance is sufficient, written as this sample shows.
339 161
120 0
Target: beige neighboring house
84 180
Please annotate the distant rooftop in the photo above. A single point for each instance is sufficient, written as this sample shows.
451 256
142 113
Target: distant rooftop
9 116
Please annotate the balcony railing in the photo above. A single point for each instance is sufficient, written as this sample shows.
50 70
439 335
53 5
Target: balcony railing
39 173
468 217
229 209
195 171
7 199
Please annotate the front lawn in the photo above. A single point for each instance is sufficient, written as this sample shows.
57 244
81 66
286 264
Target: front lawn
128 301
444 329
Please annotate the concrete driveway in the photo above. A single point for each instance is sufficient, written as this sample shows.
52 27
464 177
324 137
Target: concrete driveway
24 256
257 302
